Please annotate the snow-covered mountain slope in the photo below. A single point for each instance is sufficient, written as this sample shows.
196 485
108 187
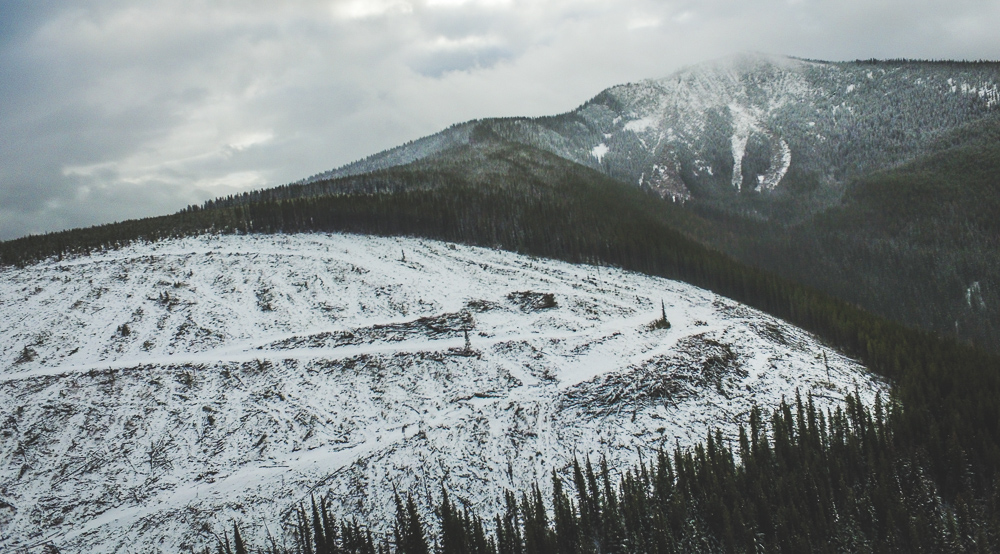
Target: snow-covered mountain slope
152 395
748 125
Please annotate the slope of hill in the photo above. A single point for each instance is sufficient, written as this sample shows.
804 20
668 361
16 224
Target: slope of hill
919 243
158 387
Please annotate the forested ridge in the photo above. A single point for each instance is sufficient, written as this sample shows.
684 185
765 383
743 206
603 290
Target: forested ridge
936 447
839 120
919 244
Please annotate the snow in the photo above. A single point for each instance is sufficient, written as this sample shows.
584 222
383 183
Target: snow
990 93
599 151
642 124
261 369
743 124
780 162
974 296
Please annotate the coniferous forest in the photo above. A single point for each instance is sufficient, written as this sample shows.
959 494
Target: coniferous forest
915 473
799 480
916 243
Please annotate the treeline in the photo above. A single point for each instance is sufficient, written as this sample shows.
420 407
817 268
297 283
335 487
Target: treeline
958 64
800 480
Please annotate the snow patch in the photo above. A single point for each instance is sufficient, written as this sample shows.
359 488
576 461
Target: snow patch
780 162
640 125
599 151
743 124
974 296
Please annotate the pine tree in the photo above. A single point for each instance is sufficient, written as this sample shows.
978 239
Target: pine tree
408 530
238 541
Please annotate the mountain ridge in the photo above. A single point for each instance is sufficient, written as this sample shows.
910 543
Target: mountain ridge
747 122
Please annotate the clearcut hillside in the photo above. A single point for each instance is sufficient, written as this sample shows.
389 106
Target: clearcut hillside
154 394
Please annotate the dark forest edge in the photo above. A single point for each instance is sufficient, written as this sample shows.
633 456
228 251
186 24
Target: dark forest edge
799 481
947 394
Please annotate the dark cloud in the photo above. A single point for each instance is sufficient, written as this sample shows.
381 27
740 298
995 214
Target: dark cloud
22 17
115 109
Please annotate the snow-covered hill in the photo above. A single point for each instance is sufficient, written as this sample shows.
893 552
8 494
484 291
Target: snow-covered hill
152 395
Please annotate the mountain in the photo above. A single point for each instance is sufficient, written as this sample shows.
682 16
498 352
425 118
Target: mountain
769 136
155 393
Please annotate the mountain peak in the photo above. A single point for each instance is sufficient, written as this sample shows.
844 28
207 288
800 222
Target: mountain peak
742 62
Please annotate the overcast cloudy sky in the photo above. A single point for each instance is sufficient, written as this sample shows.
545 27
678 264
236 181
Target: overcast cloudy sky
111 109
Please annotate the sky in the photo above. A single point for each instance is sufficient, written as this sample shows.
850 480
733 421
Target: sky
111 110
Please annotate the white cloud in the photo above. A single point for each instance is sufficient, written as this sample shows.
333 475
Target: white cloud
643 23
460 3
441 42
245 141
237 182
684 17
365 9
